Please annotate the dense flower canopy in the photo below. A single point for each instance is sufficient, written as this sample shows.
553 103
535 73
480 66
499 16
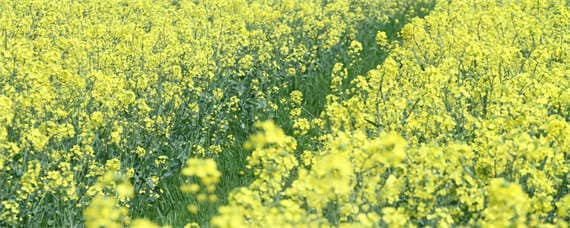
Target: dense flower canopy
285 113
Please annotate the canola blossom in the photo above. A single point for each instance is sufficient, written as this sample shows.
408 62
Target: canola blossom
285 113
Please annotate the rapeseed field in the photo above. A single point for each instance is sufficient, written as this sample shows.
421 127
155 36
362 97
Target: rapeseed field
284 113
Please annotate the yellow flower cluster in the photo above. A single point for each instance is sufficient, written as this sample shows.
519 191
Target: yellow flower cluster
465 123
203 189
150 83
344 113
110 206
110 194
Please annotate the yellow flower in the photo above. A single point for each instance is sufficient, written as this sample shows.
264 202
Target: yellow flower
38 139
381 39
143 223
296 97
125 190
291 71
193 208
